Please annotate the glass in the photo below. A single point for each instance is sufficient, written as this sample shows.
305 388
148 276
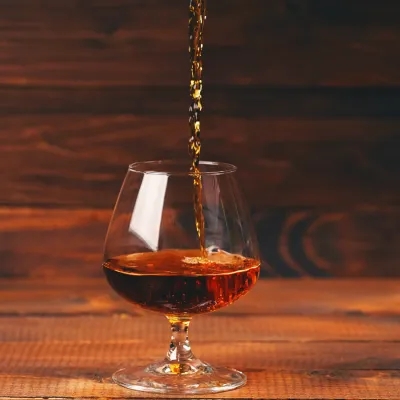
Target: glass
153 259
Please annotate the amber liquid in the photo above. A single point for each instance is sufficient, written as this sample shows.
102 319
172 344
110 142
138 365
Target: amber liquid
197 16
181 282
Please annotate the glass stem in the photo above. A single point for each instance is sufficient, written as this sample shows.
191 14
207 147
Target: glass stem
179 349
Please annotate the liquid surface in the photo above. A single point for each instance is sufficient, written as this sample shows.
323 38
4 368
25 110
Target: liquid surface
197 17
182 282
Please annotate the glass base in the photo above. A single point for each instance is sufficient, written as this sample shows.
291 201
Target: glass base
191 377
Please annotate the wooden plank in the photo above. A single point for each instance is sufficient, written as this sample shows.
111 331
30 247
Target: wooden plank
359 162
84 369
348 355
259 328
75 357
93 297
261 385
308 242
228 100
48 243
362 241
289 43
65 359
79 129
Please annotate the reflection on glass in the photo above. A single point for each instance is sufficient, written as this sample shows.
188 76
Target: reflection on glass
147 213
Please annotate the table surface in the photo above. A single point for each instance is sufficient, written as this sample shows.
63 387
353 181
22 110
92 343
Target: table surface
295 339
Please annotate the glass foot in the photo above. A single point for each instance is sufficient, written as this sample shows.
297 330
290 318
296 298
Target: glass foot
191 377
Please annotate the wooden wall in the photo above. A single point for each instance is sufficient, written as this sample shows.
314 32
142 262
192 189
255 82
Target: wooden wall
303 95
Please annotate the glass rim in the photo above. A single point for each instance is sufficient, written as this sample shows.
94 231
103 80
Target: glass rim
180 168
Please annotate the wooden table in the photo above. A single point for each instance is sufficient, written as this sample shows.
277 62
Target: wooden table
295 339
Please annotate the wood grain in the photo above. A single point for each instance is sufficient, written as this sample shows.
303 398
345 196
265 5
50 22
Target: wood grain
93 43
343 346
51 243
80 160
302 95
261 386
48 358
253 328
231 100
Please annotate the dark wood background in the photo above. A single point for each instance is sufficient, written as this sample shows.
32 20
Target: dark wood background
303 95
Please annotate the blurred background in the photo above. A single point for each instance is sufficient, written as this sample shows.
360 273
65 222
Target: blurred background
302 95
